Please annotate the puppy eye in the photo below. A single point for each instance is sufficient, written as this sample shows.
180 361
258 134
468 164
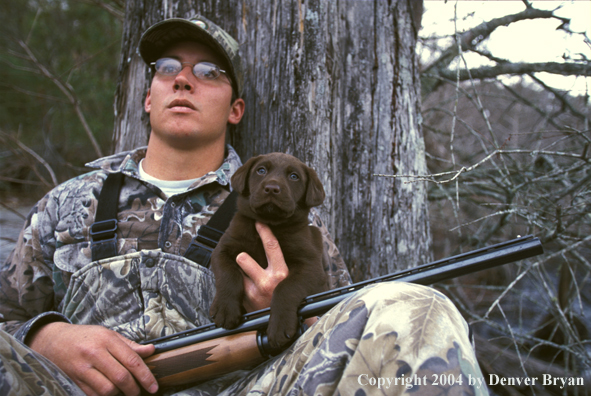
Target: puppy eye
294 177
261 171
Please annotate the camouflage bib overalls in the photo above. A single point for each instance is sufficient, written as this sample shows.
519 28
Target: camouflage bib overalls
146 294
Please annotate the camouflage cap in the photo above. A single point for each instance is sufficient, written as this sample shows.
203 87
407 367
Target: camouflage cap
197 28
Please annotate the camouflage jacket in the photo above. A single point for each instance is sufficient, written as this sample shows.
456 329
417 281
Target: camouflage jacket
41 280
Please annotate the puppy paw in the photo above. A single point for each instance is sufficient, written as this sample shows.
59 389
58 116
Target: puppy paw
282 329
226 313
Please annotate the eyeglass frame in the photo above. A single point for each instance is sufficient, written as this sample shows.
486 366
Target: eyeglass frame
153 67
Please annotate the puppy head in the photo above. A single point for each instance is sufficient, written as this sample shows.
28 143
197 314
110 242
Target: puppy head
278 186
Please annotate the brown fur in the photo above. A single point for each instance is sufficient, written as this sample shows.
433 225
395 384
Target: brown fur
278 190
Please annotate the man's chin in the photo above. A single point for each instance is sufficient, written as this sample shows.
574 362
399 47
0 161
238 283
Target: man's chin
183 136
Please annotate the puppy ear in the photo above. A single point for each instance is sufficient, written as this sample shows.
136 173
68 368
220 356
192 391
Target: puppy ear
314 190
240 179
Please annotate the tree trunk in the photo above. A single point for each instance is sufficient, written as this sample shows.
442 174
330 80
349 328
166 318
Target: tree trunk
333 83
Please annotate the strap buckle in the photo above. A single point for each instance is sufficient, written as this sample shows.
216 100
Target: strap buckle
203 244
102 231
208 237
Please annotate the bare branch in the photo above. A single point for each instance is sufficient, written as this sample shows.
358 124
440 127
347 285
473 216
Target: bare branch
19 181
34 94
38 158
118 11
39 10
68 92
532 105
21 68
471 38
542 192
12 211
464 169
484 72
561 96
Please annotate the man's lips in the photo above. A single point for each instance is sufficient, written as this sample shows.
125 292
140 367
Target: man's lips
178 104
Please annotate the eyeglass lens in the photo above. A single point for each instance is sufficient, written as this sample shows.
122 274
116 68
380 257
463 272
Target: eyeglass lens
202 70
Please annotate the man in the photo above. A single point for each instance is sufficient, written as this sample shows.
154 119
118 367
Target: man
83 301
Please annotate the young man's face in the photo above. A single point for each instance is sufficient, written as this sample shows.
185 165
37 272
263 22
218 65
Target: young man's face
186 111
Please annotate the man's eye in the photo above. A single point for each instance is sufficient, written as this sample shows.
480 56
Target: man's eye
168 69
168 66
206 71
294 177
209 73
261 171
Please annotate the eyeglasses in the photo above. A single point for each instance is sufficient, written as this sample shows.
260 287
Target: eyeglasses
201 70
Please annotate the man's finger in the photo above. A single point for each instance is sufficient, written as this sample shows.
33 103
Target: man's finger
143 350
95 383
250 267
130 364
272 248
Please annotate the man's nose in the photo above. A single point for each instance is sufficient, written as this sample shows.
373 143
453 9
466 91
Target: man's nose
182 81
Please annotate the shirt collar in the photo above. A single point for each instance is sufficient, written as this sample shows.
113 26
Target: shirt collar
128 163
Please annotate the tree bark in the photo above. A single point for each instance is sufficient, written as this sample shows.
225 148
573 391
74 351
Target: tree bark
335 83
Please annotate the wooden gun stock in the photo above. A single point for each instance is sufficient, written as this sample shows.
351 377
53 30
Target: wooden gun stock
209 351
206 360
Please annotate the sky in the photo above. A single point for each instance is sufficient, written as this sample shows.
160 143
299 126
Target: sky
524 41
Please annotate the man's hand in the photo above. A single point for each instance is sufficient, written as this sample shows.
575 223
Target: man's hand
100 361
259 283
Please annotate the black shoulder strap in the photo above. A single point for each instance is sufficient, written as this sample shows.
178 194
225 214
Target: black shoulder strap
209 234
103 236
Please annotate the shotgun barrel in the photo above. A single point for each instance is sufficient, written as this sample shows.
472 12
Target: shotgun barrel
209 351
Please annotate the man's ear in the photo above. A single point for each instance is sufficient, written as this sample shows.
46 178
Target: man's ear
240 178
236 111
148 102
314 190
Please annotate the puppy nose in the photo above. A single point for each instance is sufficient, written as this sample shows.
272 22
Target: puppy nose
272 189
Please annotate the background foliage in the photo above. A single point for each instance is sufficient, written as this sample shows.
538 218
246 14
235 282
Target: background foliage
509 158
78 44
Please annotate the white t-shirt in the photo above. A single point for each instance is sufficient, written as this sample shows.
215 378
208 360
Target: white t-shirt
169 187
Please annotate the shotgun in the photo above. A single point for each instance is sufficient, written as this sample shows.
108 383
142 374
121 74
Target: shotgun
209 351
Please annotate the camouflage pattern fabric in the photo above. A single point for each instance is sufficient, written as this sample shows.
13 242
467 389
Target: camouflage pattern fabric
388 339
26 373
361 347
51 268
143 295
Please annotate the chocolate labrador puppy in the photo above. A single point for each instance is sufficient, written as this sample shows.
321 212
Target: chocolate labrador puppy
278 190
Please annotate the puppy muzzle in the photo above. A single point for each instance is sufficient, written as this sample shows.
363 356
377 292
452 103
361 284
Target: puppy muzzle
273 202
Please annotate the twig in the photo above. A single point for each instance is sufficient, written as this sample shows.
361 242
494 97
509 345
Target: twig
504 212
13 180
117 13
37 157
482 161
535 265
12 210
518 69
475 36
68 92
561 96
514 343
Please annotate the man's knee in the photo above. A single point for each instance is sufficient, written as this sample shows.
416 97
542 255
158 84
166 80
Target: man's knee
399 292
396 301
